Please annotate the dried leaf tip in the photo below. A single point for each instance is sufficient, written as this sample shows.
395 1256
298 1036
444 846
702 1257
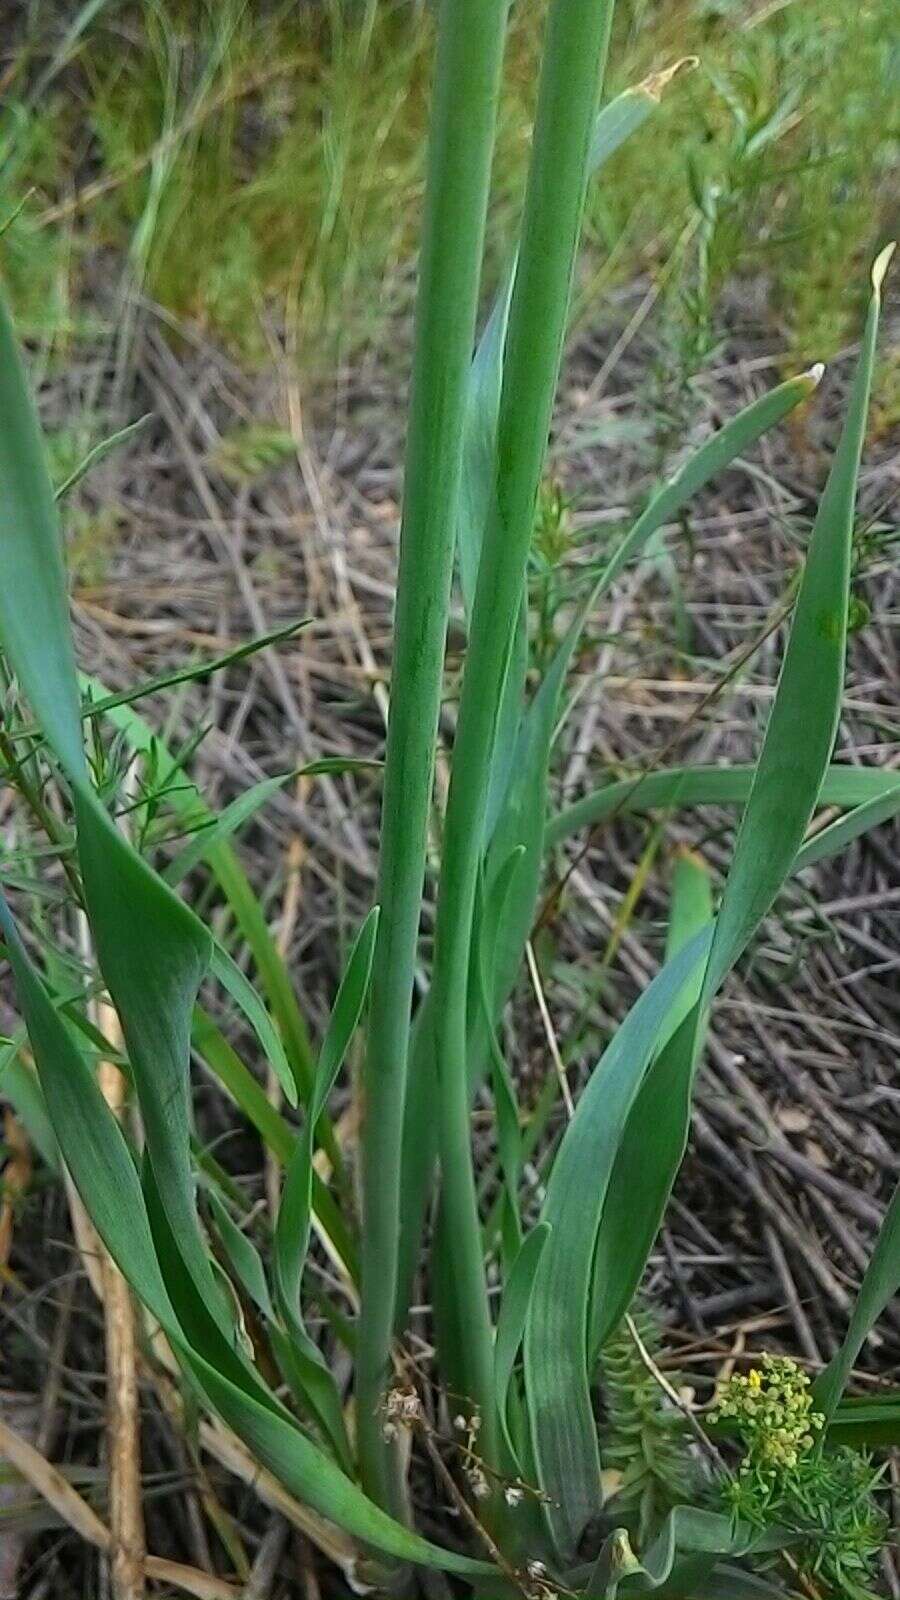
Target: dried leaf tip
880 265
658 82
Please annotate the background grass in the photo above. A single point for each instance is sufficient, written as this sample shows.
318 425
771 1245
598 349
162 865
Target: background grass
257 164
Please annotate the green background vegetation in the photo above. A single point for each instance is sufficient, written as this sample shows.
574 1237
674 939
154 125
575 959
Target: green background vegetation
263 163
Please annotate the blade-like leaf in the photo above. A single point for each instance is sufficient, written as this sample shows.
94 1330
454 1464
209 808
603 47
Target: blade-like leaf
244 1258
517 808
556 1372
628 1224
98 453
714 786
881 1282
800 734
513 1315
684 1553
787 783
292 1228
186 801
238 985
105 1175
868 1423
151 949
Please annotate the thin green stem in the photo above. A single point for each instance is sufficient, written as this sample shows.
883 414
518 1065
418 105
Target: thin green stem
467 77
577 37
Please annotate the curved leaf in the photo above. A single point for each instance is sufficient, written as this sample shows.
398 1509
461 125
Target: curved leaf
714 786
556 1371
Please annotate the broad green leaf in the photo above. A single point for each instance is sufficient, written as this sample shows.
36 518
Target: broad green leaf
34 619
850 787
105 1175
187 802
684 1554
803 722
557 1380
628 1224
787 783
152 951
881 1282
21 1087
89 1137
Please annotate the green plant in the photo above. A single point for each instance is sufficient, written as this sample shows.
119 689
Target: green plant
646 1469
787 1479
521 1452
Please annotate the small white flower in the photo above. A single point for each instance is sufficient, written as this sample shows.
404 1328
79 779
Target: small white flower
513 1494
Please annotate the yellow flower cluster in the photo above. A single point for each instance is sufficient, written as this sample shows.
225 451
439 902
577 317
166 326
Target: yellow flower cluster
773 1408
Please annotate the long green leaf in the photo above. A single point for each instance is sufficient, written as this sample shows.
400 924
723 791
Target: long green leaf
517 806
514 1308
715 786
881 1282
98 453
187 802
629 1222
801 729
787 783
571 73
685 1552
151 949
292 1226
229 974
105 1175
244 1258
471 36
556 1371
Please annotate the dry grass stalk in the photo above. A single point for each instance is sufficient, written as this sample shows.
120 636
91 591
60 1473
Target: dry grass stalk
122 1394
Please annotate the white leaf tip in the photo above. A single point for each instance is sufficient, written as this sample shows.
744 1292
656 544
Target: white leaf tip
816 373
881 264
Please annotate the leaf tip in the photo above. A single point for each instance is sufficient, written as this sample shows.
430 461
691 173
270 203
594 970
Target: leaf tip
880 266
815 374
658 82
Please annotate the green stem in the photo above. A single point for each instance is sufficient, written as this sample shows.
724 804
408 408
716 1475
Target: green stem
467 77
577 37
